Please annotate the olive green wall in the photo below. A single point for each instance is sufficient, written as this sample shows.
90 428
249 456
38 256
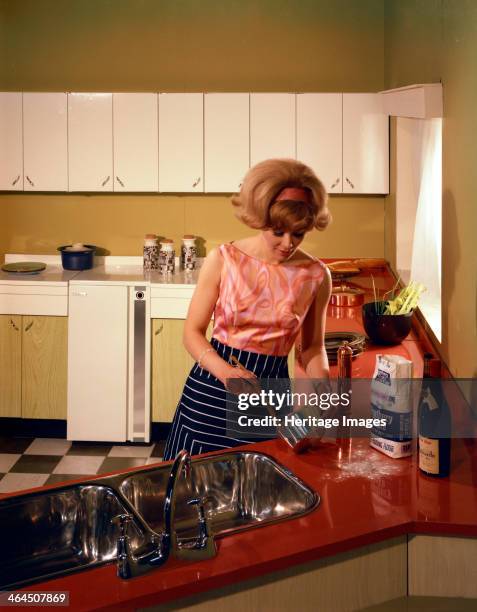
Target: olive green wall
184 45
428 41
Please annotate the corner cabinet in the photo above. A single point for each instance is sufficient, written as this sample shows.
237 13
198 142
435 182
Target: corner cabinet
33 365
345 139
365 144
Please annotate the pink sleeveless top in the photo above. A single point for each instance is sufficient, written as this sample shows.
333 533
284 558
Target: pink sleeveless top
261 306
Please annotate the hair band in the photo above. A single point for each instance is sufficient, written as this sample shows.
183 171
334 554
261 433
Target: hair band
295 194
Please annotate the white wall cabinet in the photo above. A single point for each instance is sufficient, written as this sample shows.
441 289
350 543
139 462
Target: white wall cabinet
272 126
11 141
181 142
45 142
319 137
188 142
135 142
365 144
90 141
345 139
226 140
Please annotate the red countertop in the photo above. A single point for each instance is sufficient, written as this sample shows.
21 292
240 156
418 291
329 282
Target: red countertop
366 497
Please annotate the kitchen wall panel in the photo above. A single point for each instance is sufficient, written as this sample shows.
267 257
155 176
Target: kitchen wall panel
106 45
444 47
117 223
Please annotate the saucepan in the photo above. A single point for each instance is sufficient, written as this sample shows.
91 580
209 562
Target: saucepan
77 256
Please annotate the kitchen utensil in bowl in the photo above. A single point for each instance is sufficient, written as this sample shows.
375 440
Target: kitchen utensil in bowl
385 328
77 256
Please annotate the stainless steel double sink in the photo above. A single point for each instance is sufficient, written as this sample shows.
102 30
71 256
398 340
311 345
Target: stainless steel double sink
61 530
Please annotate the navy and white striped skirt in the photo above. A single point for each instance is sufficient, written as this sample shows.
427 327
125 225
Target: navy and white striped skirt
200 421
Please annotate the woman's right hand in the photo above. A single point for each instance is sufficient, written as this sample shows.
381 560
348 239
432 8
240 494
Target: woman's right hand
240 380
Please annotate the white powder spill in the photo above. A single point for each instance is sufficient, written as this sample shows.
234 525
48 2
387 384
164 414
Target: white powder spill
367 463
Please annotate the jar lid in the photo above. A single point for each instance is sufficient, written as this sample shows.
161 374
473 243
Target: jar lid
188 237
150 236
167 241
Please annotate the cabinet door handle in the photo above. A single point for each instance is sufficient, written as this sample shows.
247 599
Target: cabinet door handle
120 181
158 331
30 181
349 183
16 180
335 183
28 327
105 181
196 182
14 326
240 185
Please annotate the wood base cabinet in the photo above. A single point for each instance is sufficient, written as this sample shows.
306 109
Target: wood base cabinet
349 581
10 366
442 566
171 364
33 366
417 572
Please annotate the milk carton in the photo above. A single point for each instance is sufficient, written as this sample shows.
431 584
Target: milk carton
392 400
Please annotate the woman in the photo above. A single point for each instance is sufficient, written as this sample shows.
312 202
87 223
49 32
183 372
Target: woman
263 291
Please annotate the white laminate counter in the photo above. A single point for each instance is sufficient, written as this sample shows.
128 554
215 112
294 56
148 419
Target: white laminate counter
112 275
46 293
42 293
169 294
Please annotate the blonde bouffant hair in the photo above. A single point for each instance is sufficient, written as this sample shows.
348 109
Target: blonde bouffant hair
256 205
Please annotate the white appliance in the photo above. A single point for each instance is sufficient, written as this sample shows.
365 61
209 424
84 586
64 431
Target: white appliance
109 342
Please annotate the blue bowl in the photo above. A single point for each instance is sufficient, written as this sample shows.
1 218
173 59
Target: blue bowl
77 260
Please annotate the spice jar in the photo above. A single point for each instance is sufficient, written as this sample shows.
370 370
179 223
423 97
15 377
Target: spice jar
150 252
188 253
167 256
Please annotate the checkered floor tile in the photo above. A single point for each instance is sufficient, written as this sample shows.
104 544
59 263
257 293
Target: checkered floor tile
32 462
